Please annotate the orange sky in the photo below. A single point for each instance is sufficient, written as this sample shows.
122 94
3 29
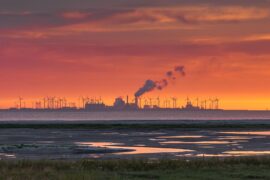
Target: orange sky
108 49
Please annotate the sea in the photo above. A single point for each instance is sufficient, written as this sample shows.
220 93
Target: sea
9 116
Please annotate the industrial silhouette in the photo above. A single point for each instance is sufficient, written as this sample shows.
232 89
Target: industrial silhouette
138 103
52 103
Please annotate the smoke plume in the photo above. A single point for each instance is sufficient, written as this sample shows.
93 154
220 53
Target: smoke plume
180 69
151 85
147 87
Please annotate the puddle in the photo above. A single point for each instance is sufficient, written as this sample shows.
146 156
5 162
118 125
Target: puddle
213 155
263 133
203 155
135 150
247 153
140 145
179 137
207 147
100 144
235 138
196 142
153 139
221 155
152 150
110 133
45 142
95 156
150 133
4 155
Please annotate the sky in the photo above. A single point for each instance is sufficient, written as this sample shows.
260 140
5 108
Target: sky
108 48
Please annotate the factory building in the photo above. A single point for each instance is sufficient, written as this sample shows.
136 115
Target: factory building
119 104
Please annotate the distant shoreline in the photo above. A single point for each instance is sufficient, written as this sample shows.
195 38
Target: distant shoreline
122 110
136 116
137 124
125 110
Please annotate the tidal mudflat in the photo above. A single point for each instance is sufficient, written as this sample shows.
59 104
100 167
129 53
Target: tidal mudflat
121 143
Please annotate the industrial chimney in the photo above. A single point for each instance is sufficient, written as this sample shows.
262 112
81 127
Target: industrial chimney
127 100
136 101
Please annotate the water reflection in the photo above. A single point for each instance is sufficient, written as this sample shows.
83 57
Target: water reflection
213 155
95 156
134 149
235 138
207 147
110 133
191 143
140 145
179 137
154 139
247 153
4 156
196 142
151 133
263 133
100 144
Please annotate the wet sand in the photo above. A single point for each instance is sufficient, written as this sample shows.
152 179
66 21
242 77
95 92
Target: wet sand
132 143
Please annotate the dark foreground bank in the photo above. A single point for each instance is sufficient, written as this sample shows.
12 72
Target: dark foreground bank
229 168
136 124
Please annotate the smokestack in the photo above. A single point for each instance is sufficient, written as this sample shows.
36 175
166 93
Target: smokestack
127 100
136 101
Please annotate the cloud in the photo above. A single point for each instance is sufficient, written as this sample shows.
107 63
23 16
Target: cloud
138 17
75 15
203 14
120 15
179 50
53 5
32 20
254 47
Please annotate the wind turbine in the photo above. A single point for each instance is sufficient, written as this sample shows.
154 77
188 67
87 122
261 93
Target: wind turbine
158 101
197 100
20 102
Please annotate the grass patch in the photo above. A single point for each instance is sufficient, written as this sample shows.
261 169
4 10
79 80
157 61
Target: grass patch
229 168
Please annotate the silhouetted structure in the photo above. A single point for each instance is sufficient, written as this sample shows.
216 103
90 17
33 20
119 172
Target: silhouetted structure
136 104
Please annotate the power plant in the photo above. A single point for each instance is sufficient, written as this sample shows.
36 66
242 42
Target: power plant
119 104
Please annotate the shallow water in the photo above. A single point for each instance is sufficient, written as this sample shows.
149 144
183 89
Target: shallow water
135 150
263 133
134 115
197 142
246 153
104 144
179 137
